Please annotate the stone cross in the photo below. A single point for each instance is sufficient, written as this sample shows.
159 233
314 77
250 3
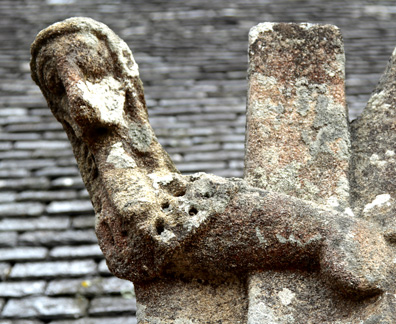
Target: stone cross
305 237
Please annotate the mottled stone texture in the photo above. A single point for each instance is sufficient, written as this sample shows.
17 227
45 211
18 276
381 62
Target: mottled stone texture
297 133
282 246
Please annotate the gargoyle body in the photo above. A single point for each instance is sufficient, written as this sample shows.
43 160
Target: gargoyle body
153 222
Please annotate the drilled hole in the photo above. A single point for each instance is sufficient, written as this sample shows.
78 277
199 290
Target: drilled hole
193 211
208 195
165 207
160 226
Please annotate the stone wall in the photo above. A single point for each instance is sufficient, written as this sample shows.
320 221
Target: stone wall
193 61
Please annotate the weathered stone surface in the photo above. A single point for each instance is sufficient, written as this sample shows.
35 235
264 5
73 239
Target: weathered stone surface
53 269
21 288
45 307
202 236
374 155
297 139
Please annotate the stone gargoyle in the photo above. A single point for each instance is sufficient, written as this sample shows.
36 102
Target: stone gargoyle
154 223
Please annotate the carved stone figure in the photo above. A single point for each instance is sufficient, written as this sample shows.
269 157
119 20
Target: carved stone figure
305 237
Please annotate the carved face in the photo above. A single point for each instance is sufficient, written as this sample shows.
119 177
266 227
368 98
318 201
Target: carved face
81 77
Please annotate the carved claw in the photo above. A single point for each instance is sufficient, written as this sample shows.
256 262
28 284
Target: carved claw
151 219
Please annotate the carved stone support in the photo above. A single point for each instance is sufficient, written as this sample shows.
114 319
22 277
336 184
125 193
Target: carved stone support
204 249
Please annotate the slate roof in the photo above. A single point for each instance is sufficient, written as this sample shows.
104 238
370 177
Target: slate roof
193 61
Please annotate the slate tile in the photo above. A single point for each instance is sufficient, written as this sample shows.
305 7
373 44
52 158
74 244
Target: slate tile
28 164
83 222
23 184
66 161
70 207
14 173
23 253
83 194
198 167
9 120
45 195
5 146
45 307
13 112
213 156
68 182
21 209
55 135
73 252
111 305
46 154
15 154
7 196
22 288
56 238
32 224
31 128
100 320
53 269
90 287
19 136
234 146
35 145
5 269
8 239
4 321
103 268
57 172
